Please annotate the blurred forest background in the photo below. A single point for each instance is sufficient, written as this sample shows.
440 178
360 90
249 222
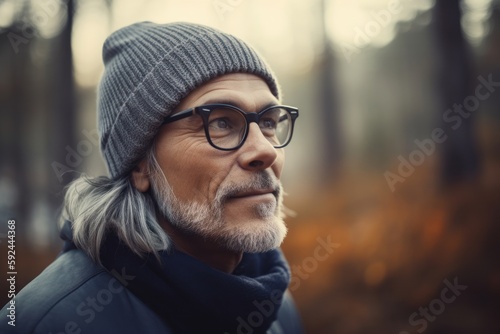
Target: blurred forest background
395 159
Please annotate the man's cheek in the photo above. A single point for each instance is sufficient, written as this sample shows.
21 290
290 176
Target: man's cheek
214 182
278 165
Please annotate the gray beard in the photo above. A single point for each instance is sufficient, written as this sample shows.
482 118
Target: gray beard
207 219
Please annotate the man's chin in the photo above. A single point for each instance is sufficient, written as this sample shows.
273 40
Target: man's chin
255 237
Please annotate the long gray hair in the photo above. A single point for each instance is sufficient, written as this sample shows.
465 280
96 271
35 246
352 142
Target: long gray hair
101 204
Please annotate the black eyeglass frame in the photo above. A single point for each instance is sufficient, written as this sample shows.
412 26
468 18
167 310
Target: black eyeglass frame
205 110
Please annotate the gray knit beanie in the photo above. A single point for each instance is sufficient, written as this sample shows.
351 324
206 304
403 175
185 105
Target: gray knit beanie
149 69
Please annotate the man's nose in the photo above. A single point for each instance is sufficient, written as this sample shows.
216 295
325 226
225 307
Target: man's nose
257 151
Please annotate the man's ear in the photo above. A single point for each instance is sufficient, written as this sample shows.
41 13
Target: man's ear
140 178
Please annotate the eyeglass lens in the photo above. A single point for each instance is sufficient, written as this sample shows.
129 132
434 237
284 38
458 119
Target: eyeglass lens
227 126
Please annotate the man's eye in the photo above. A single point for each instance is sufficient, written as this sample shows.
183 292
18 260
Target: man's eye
268 123
220 123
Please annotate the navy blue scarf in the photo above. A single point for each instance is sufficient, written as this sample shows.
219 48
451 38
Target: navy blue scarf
192 297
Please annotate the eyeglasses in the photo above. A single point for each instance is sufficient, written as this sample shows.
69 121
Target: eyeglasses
226 126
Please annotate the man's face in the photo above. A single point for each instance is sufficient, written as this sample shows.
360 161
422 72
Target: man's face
231 197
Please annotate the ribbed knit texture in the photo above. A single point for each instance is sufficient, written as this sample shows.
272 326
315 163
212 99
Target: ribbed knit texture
149 69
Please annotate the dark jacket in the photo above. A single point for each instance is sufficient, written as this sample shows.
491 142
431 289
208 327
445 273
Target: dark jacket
75 295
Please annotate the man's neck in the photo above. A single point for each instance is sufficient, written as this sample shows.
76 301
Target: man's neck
202 249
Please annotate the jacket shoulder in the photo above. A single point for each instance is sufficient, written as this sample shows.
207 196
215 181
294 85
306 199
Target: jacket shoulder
75 295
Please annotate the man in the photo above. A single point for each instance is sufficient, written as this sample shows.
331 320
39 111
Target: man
183 236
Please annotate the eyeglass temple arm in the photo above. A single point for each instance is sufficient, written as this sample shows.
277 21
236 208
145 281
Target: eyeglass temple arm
178 116
293 113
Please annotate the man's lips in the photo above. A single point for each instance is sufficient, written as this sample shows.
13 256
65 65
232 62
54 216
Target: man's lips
253 193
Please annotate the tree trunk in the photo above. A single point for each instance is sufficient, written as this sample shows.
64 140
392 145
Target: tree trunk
63 113
459 153
329 117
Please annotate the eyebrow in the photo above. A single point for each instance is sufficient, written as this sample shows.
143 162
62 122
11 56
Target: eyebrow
237 104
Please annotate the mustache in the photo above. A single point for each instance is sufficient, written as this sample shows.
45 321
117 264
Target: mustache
261 180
